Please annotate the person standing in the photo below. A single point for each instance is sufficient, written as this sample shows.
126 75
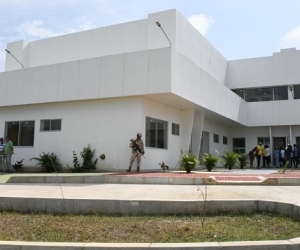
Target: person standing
295 156
9 151
277 157
251 157
259 153
2 156
137 147
268 153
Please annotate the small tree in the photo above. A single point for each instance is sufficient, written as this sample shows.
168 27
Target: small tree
87 160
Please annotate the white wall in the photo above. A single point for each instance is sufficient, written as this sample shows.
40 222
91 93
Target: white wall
140 73
107 125
276 70
221 130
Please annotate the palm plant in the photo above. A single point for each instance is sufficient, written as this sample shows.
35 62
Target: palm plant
209 161
243 158
188 162
230 159
48 161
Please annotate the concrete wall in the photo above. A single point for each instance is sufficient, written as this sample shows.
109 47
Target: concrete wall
106 125
145 72
279 69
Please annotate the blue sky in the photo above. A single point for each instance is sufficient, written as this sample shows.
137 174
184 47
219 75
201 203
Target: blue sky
237 28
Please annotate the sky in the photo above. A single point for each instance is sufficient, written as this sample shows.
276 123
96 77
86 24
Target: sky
236 28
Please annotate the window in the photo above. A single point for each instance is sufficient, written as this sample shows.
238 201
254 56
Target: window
225 140
239 145
216 138
280 93
240 92
263 140
21 133
175 129
156 133
50 125
297 92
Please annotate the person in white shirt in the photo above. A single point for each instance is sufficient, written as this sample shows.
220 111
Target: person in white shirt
268 155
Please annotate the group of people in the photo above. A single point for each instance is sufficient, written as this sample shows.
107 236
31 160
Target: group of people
6 152
263 154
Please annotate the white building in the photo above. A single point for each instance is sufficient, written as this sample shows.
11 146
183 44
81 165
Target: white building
102 86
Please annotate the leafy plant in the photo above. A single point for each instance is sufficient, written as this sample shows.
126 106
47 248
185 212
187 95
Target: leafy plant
209 161
163 165
18 165
87 160
230 159
188 162
48 161
243 159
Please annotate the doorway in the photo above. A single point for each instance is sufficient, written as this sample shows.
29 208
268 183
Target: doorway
279 142
204 143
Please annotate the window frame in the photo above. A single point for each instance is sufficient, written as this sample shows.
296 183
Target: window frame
216 138
18 142
160 140
50 126
240 150
225 140
175 129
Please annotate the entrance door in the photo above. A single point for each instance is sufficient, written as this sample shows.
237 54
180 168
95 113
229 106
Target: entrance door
204 143
279 142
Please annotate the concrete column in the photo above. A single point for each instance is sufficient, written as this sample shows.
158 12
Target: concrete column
197 132
187 117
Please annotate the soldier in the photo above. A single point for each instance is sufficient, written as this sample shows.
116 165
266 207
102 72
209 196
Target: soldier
137 147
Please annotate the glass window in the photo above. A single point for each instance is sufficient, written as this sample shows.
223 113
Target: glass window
156 133
281 93
216 138
21 133
240 92
175 129
250 95
239 145
263 140
225 140
50 125
297 92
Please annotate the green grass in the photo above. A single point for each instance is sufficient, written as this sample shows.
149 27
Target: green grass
100 228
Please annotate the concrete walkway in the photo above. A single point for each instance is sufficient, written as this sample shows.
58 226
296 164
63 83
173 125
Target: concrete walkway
150 198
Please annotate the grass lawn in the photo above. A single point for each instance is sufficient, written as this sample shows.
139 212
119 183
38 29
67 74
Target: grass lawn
102 228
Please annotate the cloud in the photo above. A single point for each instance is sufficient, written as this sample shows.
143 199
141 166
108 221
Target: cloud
201 22
35 29
291 38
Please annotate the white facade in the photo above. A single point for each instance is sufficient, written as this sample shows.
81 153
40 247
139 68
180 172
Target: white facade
105 83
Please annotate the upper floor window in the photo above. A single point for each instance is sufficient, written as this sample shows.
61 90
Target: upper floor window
21 133
50 125
175 129
156 133
263 94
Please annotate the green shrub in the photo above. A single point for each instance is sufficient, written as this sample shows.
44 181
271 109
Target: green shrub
87 161
188 162
230 159
243 159
48 161
209 161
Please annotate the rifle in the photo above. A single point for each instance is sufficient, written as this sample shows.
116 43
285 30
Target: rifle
137 147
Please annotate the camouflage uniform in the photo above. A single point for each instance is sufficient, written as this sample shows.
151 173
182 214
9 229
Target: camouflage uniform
136 153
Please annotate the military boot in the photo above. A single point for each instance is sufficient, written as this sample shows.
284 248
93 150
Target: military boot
129 169
138 170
